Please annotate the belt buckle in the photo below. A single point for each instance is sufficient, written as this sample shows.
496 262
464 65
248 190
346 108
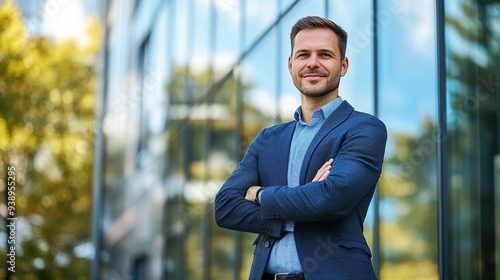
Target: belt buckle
277 275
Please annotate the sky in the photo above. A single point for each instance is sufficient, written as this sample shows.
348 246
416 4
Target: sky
64 19
57 19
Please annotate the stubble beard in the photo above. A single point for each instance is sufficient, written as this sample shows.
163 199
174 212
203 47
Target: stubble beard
317 92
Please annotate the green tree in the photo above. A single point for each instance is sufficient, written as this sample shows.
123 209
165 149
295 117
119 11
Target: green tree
46 133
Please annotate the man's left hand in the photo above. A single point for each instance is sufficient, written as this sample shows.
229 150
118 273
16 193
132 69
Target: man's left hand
252 193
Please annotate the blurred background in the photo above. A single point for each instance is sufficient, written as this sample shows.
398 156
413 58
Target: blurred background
122 120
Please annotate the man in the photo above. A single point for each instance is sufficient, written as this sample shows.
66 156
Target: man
304 186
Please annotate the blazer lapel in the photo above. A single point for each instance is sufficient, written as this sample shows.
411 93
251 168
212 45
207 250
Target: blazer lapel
335 119
283 152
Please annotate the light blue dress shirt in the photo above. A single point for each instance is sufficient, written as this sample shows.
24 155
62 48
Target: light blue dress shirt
284 257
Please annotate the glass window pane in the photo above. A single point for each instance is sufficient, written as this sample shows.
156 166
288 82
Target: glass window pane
258 72
227 37
202 52
180 29
219 164
472 29
259 16
407 92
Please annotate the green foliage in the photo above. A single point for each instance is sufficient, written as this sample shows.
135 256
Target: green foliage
46 132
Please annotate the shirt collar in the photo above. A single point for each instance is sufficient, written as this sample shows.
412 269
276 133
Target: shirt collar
323 112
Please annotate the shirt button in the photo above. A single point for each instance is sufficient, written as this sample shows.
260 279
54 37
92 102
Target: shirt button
266 244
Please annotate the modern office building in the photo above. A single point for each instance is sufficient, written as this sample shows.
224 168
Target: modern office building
187 84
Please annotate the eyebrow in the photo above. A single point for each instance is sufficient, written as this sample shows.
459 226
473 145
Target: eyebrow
320 51
328 51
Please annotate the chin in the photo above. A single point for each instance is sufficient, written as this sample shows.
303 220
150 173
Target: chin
315 94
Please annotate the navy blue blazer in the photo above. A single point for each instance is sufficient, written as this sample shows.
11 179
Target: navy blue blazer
329 214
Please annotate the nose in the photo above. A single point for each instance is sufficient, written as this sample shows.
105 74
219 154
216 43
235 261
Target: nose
312 61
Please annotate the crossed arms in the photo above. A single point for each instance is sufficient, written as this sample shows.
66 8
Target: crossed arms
336 189
321 175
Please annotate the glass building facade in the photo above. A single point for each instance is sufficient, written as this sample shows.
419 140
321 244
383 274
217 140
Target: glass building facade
188 84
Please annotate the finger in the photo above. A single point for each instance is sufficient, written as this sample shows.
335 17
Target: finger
318 176
328 163
324 174
325 168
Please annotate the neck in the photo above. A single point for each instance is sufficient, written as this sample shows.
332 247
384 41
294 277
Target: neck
311 104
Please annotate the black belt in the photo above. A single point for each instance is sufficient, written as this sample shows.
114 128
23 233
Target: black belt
283 276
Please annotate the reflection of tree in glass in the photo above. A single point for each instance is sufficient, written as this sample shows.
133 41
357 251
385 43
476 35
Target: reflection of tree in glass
409 247
205 141
409 177
473 85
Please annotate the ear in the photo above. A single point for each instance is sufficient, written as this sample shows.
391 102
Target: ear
345 66
290 65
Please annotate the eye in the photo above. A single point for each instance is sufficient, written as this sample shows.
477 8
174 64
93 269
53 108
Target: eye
301 55
327 55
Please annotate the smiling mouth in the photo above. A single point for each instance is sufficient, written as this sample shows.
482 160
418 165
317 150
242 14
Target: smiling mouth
313 74
317 76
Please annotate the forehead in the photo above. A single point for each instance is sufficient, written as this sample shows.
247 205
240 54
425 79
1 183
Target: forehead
311 39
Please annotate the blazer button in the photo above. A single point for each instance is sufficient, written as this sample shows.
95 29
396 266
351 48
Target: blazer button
266 244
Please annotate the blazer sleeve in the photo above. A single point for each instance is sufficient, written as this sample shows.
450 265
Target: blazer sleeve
231 209
355 171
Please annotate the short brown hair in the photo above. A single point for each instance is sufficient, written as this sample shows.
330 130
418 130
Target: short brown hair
315 22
